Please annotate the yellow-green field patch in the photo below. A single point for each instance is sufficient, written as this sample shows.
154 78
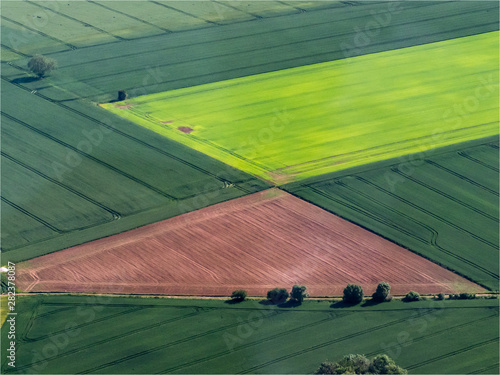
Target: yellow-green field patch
296 123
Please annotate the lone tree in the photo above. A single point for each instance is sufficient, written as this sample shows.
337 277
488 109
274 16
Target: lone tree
383 292
277 295
41 65
353 293
239 295
122 95
298 293
359 364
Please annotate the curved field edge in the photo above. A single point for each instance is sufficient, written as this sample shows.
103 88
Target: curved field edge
450 219
134 335
278 125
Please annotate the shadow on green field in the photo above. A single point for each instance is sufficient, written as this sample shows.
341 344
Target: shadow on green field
289 304
342 305
22 80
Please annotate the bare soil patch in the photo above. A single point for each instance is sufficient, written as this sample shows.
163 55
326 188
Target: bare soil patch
185 129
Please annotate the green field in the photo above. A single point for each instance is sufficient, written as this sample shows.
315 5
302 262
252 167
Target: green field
302 122
442 204
88 175
103 335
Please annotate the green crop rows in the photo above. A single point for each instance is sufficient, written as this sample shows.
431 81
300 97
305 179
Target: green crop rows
68 335
443 206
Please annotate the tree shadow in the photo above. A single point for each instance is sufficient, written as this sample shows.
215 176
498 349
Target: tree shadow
22 80
342 304
233 301
289 304
371 302
266 302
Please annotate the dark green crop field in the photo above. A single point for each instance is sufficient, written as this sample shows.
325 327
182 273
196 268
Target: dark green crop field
443 206
103 335
168 61
74 174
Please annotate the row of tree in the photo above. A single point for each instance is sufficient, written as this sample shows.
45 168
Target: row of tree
353 294
277 295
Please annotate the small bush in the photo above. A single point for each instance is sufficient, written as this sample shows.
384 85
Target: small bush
440 296
353 293
467 296
239 295
278 295
412 296
462 296
382 293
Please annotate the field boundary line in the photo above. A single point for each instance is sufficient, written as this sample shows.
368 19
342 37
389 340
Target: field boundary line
43 315
85 24
239 10
436 333
351 205
169 344
71 46
116 214
462 177
488 368
427 212
442 193
329 342
129 16
185 13
103 319
258 342
453 353
480 162
119 336
31 321
93 158
16 52
33 216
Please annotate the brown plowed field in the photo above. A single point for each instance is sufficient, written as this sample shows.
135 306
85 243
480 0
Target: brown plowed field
256 243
